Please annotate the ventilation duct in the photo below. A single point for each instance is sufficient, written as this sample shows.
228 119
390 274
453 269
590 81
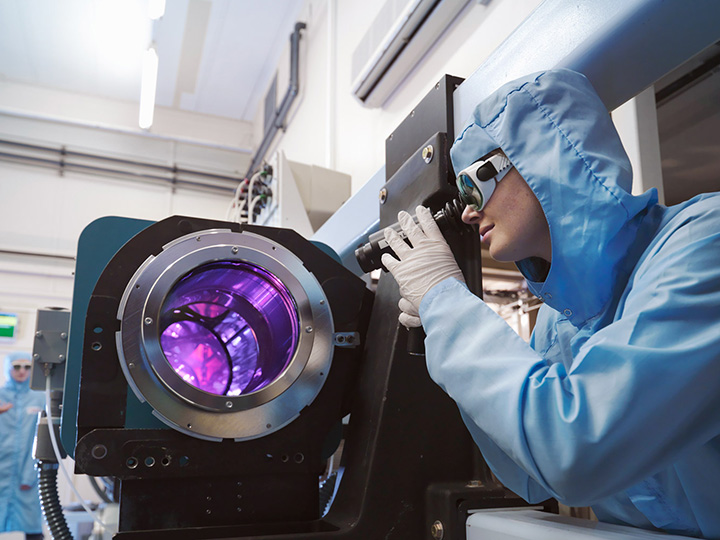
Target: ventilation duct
401 34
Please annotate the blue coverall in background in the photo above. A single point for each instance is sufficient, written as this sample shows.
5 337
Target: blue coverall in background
616 401
19 509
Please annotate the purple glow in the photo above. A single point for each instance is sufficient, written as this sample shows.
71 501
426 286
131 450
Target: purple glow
229 328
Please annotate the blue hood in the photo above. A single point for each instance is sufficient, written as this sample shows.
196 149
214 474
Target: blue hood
559 135
9 381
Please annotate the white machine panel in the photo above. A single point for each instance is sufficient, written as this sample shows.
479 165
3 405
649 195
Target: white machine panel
536 525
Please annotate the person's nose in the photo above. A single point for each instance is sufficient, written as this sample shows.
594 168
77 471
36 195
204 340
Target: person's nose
470 216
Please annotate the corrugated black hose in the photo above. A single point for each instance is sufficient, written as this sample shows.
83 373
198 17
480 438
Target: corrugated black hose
50 502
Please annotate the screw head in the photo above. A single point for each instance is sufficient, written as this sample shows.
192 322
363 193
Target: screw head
36 356
427 153
228 404
38 334
383 195
235 249
148 320
437 531
63 336
309 329
99 451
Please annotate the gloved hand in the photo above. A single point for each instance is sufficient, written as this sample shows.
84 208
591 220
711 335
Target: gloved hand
409 316
422 266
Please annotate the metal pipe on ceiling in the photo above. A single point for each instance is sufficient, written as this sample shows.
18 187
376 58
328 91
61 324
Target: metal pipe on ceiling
278 121
84 162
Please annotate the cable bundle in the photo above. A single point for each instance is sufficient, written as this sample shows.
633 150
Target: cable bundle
251 197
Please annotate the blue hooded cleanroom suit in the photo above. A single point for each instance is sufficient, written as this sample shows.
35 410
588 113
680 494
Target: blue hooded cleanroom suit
616 401
19 510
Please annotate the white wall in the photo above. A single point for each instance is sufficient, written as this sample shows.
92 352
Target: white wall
42 213
358 147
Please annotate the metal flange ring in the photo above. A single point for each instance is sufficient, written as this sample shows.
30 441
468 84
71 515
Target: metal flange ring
225 335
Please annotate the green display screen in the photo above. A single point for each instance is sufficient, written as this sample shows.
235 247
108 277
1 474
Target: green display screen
8 323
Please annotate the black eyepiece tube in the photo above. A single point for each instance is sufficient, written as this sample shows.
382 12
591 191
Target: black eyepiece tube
448 218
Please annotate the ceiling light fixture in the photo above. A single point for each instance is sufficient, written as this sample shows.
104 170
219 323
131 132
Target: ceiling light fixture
148 86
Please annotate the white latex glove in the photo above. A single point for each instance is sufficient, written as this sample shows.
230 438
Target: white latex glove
409 316
422 266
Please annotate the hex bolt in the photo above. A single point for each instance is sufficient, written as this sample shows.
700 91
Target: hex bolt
437 531
383 195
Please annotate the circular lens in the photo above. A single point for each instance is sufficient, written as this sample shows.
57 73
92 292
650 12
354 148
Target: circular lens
229 328
469 194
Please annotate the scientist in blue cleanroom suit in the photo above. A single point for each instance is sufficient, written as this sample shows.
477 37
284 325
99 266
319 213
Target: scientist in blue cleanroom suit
19 407
615 403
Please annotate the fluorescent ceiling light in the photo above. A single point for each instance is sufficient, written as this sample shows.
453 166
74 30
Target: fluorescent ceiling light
147 89
156 9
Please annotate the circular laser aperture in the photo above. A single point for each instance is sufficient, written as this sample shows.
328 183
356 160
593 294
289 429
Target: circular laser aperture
229 328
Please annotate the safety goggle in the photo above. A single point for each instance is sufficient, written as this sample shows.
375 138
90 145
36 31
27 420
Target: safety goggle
18 367
477 182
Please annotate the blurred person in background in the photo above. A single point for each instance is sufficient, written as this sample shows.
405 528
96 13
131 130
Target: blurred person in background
19 406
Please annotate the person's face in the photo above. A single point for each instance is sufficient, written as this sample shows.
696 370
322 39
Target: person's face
512 224
20 370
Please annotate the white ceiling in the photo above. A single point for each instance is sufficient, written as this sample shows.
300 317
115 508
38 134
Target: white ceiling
216 57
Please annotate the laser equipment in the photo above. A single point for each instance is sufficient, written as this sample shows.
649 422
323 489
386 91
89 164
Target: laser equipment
210 366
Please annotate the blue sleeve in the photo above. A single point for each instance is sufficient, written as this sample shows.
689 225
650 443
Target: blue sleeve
33 405
640 391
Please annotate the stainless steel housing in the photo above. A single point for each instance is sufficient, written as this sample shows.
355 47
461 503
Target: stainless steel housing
189 409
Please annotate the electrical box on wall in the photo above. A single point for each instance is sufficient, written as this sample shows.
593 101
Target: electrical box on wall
305 195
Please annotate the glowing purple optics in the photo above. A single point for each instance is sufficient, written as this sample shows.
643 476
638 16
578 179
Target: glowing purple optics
229 328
